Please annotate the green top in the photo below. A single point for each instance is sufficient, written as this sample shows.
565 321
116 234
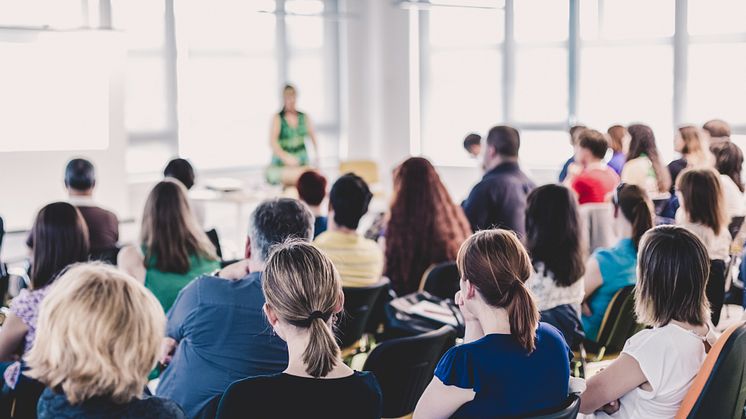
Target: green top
293 139
166 285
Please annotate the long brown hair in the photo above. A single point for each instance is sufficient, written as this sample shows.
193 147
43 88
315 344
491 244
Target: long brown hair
424 226
704 202
616 137
169 231
303 288
636 207
696 147
643 142
60 238
497 264
729 161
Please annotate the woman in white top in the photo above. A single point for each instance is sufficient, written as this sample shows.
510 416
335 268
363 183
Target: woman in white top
729 162
703 212
643 167
654 371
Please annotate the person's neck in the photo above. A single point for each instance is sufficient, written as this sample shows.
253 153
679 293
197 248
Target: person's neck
315 210
497 161
256 265
343 230
699 329
493 320
625 229
595 164
73 193
297 344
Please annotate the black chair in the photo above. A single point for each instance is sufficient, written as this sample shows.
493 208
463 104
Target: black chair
405 366
715 289
215 240
569 410
441 280
359 304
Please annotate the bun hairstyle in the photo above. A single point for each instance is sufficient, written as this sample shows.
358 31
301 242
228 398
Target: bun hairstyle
497 264
303 288
636 208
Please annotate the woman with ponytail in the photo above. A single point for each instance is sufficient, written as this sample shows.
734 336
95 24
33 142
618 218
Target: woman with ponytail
506 350
609 270
304 294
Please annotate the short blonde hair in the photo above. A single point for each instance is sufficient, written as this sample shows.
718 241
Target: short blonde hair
98 334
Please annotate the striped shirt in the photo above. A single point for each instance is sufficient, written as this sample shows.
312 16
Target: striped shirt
358 260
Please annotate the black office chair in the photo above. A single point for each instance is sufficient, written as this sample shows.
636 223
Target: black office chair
405 366
215 240
568 410
359 304
441 280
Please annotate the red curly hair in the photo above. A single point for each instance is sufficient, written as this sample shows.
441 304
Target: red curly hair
425 226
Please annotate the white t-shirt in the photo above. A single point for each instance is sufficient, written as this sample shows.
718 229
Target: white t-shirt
734 200
670 358
717 245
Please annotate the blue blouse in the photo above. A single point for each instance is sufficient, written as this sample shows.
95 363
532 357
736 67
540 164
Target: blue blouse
505 378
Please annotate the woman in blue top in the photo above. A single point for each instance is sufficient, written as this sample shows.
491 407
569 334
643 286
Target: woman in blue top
609 270
507 353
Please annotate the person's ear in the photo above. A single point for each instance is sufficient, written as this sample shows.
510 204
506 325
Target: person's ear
271 316
470 289
340 304
247 251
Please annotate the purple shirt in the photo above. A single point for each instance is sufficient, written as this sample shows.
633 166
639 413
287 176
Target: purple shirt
26 307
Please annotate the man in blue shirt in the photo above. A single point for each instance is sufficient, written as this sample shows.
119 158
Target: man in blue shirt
216 331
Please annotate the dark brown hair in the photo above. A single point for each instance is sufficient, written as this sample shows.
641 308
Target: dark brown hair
425 226
311 187
505 140
553 233
497 264
616 135
636 207
703 198
717 128
729 161
643 142
673 268
575 130
60 238
471 140
594 141
169 231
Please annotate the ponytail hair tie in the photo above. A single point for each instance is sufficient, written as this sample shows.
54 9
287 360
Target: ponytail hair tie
311 317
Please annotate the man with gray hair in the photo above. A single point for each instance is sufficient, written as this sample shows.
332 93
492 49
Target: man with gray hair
216 331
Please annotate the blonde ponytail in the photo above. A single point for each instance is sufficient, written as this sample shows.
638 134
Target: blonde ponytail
322 351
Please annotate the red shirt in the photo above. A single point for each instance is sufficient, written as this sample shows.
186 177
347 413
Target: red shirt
595 184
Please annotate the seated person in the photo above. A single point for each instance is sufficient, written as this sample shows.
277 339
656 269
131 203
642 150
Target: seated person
358 260
653 373
575 131
644 167
103 225
729 163
173 248
182 170
590 177
110 327
609 270
718 129
618 141
506 350
304 295
473 145
553 242
312 191
217 332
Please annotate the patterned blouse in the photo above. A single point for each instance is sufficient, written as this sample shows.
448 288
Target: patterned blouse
26 307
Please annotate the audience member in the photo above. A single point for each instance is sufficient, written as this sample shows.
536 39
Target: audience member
609 270
506 349
312 190
654 371
473 145
358 260
103 225
304 296
553 242
173 249
729 162
181 170
718 129
575 131
98 337
424 225
618 142
643 167
590 177
216 331
499 200
60 238
694 146
703 213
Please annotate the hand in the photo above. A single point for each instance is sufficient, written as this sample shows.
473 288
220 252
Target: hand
459 300
236 270
168 347
586 310
291 160
611 407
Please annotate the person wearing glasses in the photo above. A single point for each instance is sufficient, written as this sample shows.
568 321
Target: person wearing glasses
609 270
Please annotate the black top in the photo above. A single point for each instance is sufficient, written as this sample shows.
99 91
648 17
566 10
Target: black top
499 200
289 396
675 168
55 405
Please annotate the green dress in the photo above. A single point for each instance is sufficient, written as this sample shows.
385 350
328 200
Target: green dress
166 285
293 141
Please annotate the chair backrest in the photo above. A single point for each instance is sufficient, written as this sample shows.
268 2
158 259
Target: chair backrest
735 225
215 240
619 322
359 303
441 280
718 390
405 366
366 169
569 410
597 226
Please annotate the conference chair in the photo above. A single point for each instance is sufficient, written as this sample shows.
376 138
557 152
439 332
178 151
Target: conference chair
366 169
359 304
597 226
215 240
441 280
405 366
618 325
718 390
